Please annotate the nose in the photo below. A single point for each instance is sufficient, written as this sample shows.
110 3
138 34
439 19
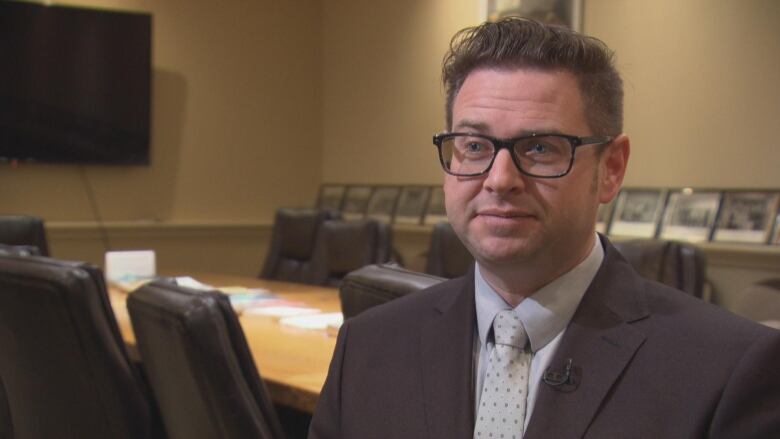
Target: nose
504 177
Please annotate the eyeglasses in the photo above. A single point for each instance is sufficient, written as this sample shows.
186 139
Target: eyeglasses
535 155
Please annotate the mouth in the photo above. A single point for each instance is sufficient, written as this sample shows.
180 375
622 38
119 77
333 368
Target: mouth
505 214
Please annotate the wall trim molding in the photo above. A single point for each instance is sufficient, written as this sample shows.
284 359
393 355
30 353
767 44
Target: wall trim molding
79 230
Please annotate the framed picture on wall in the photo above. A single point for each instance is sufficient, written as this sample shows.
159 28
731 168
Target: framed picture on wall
690 215
637 212
411 204
381 205
604 216
356 202
563 12
776 233
435 211
331 196
746 217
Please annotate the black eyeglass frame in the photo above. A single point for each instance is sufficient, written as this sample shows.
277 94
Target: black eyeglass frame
508 144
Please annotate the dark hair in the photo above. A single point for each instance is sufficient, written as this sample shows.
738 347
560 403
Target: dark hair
522 43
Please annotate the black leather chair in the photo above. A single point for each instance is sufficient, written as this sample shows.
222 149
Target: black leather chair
447 256
64 365
19 250
292 244
24 230
376 284
344 246
6 428
677 264
200 367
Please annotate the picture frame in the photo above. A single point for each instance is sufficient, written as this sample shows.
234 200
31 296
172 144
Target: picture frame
638 212
561 12
356 201
435 211
690 215
776 232
411 204
330 196
604 216
382 204
746 217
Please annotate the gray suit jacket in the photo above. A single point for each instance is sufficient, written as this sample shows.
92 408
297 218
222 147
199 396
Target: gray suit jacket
649 362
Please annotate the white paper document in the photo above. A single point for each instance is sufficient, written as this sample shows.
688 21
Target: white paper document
314 321
126 266
280 311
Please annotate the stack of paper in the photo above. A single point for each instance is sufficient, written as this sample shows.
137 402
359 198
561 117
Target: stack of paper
281 310
314 321
244 290
130 266
241 298
243 301
190 282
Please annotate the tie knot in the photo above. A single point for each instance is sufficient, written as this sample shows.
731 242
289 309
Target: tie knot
508 330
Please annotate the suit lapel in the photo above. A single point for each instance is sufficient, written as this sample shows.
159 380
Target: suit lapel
601 342
446 345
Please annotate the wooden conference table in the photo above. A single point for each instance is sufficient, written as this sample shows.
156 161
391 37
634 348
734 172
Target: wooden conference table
293 362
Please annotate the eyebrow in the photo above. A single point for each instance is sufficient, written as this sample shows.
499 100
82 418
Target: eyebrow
482 128
479 127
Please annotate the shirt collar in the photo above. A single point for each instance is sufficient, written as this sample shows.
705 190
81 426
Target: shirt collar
547 311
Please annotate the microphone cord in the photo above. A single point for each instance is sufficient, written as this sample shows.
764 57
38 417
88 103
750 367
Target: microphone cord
95 210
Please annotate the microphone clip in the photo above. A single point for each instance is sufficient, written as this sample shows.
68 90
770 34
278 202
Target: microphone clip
565 381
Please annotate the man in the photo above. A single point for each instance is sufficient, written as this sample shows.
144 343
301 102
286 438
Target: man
534 145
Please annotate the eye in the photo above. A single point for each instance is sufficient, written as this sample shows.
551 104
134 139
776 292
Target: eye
474 147
538 148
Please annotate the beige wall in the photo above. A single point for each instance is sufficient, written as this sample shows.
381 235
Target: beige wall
257 102
381 94
235 121
701 87
234 248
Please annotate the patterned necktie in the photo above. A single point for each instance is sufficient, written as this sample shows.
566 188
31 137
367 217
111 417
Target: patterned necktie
501 411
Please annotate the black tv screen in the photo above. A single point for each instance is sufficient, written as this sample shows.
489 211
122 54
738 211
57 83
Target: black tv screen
75 85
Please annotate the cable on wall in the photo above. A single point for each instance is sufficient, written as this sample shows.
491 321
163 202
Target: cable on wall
95 210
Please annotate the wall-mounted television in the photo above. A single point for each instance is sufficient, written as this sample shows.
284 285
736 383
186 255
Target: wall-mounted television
75 85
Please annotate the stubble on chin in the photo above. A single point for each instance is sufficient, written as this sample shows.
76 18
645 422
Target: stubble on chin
507 247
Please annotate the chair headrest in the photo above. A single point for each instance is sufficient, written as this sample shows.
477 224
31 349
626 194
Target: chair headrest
389 279
447 256
24 230
349 244
374 285
297 229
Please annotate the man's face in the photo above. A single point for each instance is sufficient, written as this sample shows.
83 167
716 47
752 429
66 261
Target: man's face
506 218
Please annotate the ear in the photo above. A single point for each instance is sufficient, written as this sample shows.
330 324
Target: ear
614 161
